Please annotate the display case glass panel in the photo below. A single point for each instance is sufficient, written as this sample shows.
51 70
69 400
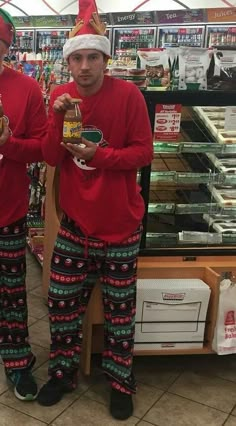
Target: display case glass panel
191 198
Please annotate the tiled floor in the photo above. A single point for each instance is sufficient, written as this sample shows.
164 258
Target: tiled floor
172 391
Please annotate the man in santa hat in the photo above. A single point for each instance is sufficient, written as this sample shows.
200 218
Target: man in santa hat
22 127
100 232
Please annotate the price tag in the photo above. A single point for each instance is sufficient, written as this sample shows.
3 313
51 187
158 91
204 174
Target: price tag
167 122
230 118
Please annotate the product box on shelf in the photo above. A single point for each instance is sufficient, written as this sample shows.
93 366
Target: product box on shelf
171 313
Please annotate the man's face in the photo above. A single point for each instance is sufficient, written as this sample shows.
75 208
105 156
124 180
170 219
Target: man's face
87 67
3 50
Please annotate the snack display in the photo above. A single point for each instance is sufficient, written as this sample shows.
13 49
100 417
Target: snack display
214 119
190 70
225 227
224 195
222 70
134 75
218 218
156 64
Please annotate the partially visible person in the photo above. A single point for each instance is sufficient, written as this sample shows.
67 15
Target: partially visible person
24 127
100 232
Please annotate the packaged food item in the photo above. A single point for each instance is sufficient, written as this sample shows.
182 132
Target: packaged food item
191 68
156 64
72 126
222 70
118 71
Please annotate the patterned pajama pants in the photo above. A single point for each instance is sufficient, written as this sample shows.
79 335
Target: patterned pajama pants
14 347
77 262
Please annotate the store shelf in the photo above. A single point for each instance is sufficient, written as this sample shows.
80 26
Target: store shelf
38 256
197 351
198 208
185 178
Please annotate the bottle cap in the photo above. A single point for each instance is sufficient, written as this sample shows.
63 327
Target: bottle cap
75 100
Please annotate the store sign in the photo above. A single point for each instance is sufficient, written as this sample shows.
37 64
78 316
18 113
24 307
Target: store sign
221 15
104 17
133 18
23 21
167 122
53 21
180 16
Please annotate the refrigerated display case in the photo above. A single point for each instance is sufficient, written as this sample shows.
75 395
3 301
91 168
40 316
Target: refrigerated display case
127 40
221 36
25 42
108 33
190 187
50 42
192 36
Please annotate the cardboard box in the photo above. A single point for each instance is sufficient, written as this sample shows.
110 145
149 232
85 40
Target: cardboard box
171 313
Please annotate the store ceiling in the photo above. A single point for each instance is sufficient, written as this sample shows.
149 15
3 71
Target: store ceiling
64 7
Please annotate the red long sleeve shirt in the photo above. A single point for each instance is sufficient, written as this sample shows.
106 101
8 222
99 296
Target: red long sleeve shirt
105 202
23 105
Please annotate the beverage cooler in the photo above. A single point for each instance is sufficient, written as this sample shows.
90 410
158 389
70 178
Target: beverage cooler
50 42
25 42
126 42
192 36
221 36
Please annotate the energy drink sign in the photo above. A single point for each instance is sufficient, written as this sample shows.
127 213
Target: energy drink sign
133 18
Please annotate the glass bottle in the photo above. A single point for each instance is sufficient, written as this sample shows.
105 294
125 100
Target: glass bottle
72 126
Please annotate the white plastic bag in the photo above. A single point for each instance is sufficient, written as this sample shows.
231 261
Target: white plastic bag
224 341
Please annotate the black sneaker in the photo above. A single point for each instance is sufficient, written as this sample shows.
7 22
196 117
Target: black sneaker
53 391
25 387
121 405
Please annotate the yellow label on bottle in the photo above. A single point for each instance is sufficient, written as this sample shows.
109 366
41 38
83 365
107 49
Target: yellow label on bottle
72 129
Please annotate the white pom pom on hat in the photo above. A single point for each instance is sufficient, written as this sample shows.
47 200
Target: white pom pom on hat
88 32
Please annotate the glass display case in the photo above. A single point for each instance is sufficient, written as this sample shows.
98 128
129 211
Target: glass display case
173 36
223 36
50 42
24 41
190 187
127 40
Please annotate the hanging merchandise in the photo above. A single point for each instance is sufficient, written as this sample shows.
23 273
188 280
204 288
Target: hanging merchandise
222 71
61 73
224 341
156 64
191 68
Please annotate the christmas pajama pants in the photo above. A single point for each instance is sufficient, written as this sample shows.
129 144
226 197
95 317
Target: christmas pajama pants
14 347
76 264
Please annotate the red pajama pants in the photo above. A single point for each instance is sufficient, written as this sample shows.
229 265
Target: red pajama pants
77 262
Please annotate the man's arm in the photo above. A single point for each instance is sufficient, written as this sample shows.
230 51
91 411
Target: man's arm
28 148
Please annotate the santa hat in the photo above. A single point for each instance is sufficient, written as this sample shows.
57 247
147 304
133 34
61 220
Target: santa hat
88 32
7 28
